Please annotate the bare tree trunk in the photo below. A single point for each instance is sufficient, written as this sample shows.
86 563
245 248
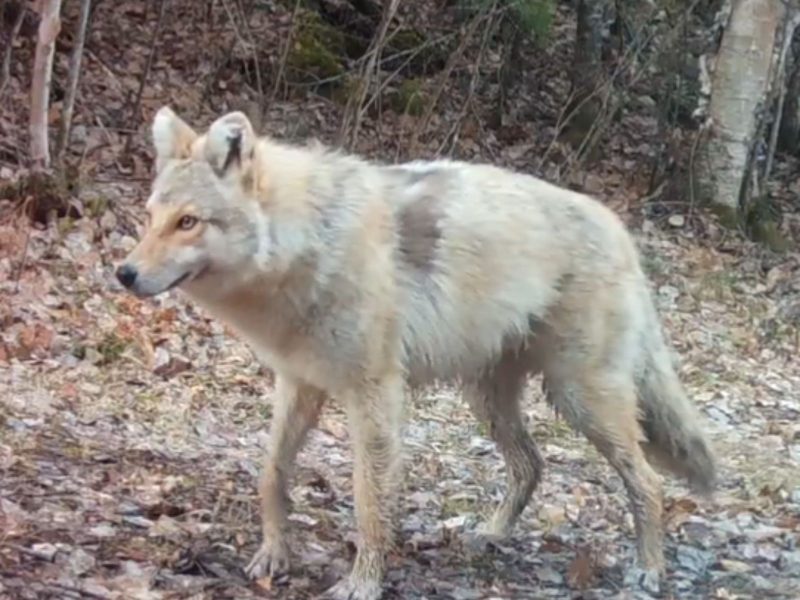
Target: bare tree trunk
49 26
779 87
5 69
789 138
739 86
587 72
137 103
72 86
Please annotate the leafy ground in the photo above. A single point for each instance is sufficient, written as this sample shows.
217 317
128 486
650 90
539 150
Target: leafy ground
132 435
131 432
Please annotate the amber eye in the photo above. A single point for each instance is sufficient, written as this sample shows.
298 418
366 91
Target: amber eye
186 222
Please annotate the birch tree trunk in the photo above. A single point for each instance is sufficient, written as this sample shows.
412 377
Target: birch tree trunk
49 26
739 86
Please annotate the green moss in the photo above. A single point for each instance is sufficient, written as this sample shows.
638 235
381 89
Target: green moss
455 507
318 49
409 98
762 225
768 233
535 17
111 347
345 90
406 40
728 216
65 225
653 265
96 206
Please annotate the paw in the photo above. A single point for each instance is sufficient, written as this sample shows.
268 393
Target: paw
354 589
646 580
271 560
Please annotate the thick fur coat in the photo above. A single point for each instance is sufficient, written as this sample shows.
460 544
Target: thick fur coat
352 279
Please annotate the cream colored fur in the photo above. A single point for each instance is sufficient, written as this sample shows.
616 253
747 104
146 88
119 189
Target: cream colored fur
352 280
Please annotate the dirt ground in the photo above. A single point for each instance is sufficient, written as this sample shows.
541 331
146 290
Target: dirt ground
132 434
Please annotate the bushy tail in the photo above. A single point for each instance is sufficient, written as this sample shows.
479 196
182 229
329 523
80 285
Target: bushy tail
672 424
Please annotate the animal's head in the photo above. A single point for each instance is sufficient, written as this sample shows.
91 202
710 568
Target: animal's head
199 214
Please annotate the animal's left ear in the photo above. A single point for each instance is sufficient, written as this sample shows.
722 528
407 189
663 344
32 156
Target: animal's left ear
230 143
172 137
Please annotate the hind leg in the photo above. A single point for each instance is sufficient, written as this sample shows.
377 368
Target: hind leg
604 409
494 398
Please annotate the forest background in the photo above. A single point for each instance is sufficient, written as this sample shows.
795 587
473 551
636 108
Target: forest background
131 432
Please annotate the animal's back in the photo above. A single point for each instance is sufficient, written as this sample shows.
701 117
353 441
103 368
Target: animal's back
484 253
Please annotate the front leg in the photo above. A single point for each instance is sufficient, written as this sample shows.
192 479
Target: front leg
375 421
295 412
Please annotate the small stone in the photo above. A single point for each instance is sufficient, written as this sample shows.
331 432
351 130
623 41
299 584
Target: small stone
108 221
80 562
693 560
127 243
479 446
734 566
677 220
138 522
103 530
549 575
44 551
455 522
552 515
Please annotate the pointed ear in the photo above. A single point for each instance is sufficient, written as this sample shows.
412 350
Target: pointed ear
230 143
172 137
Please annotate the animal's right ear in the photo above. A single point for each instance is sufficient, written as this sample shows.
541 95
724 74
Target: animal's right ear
172 137
230 144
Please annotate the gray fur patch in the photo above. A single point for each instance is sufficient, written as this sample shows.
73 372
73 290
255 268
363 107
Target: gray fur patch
420 231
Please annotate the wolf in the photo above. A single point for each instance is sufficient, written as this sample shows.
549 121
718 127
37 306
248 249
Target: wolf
355 280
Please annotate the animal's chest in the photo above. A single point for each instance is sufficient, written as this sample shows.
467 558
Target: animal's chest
293 343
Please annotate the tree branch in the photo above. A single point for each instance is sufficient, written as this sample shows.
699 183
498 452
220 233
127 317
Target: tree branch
5 73
72 86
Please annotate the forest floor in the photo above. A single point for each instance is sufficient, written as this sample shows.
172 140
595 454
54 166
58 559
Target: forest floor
131 432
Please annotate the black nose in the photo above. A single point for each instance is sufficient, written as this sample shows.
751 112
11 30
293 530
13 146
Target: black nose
126 275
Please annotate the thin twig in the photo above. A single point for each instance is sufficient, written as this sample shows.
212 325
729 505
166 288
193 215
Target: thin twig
692 154
5 73
285 52
788 31
62 141
443 78
149 65
353 110
24 257
598 126
412 54
452 135
249 43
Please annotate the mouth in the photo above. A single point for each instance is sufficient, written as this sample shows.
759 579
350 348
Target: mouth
188 276
178 281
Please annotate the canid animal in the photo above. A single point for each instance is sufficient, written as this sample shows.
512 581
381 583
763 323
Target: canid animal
351 279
